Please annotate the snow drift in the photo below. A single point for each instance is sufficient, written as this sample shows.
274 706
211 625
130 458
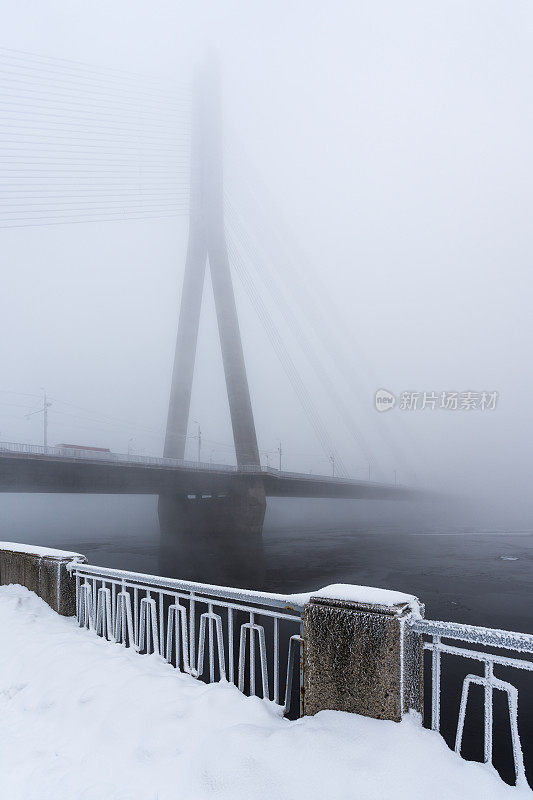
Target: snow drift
83 719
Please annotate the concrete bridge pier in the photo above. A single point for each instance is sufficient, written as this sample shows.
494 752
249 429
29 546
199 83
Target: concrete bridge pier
214 539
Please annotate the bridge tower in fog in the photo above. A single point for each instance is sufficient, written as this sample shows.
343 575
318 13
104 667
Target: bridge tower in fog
214 535
207 244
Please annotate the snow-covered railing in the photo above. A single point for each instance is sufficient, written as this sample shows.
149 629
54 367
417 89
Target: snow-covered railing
348 648
355 648
250 639
483 640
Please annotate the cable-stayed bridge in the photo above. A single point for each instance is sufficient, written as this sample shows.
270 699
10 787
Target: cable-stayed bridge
82 145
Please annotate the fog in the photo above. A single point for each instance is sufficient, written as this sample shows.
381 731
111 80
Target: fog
378 154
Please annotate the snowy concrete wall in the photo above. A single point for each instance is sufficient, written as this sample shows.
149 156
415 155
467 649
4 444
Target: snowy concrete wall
42 570
362 658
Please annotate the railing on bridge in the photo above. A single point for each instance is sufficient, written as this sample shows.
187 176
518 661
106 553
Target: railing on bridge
102 455
154 461
255 640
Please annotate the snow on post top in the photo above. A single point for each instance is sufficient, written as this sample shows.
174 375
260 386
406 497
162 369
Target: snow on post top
360 594
34 550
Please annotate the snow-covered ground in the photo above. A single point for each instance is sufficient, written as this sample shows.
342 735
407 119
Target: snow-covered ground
87 720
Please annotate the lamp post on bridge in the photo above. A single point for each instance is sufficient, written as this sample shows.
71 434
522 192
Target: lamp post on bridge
44 411
199 437
332 459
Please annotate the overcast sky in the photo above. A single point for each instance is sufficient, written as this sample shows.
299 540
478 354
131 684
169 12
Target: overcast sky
394 142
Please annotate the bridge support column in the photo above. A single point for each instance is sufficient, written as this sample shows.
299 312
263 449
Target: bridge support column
211 539
214 539
362 658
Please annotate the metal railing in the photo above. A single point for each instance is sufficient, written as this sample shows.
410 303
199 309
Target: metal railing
483 640
255 639
251 639
155 461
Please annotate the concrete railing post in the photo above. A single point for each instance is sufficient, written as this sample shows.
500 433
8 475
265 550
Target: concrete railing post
42 570
362 657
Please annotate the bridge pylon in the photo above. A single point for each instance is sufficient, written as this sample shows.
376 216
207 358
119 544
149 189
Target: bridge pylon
203 529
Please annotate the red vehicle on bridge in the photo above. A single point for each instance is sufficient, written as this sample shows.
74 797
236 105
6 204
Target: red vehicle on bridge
83 447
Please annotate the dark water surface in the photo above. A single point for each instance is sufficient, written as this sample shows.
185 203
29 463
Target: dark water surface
463 571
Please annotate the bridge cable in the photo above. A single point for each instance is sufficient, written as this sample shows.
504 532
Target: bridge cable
344 345
284 357
88 146
262 267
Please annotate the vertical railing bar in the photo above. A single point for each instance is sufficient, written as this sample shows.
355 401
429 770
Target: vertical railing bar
155 629
211 644
201 646
435 684
98 620
187 666
136 615
177 628
489 675
230 645
161 624
108 615
148 627
77 595
192 629
242 657
125 612
220 646
114 604
264 663
101 608
276 660
518 756
171 628
462 715
293 643
252 654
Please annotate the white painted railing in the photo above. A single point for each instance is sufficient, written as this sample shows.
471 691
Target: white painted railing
483 640
248 638
255 640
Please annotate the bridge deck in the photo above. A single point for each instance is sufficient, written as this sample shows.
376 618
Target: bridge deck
30 468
